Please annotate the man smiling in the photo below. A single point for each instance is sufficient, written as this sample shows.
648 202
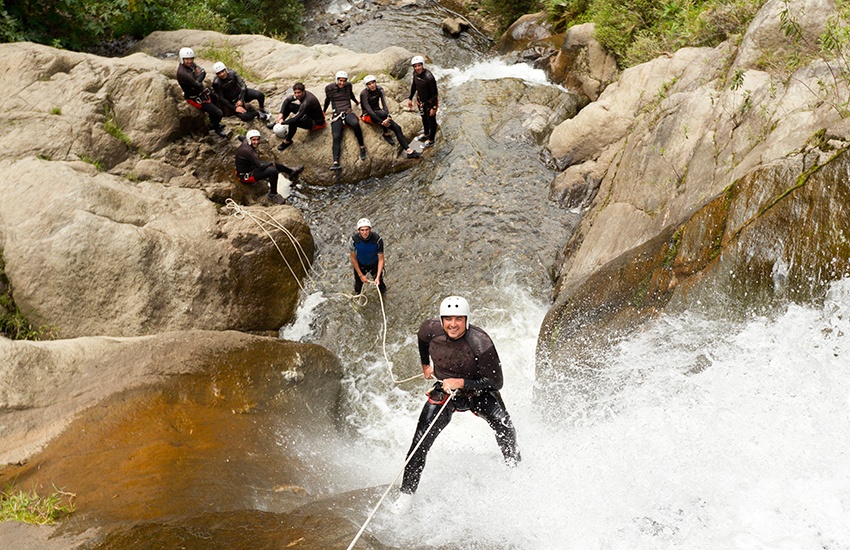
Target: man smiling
465 361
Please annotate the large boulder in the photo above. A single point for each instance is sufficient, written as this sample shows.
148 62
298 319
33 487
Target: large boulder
152 428
671 141
90 253
582 63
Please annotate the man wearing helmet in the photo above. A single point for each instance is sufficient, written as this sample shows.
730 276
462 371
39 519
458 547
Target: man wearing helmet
424 87
191 80
465 361
250 169
375 111
233 94
366 250
306 113
340 94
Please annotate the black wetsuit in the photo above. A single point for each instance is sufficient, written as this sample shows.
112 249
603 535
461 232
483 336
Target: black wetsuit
424 87
232 88
191 80
340 99
472 357
307 114
375 111
250 168
366 253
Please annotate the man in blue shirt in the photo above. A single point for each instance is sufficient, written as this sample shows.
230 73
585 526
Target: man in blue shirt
366 250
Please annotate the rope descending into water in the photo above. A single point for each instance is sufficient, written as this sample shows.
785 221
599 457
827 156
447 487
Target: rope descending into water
267 222
409 458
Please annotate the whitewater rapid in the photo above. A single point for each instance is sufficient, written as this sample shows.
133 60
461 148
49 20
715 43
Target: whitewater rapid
747 451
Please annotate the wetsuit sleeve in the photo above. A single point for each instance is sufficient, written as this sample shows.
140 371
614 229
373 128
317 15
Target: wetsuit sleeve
380 249
202 74
425 335
242 86
383 103
219 90
366 106
186 79
351 94
351 248
327 101
489 365
412 88
297 117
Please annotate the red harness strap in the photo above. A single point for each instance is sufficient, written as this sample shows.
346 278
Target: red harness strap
246 178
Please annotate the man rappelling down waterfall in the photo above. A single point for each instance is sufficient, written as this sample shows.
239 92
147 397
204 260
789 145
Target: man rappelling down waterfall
465 362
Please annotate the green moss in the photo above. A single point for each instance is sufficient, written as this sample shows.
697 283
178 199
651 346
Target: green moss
56 111
112 128
94 162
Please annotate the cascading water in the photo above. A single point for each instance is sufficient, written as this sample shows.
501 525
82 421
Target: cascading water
697 433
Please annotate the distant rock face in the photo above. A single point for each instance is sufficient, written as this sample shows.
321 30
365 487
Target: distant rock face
680 163
92 254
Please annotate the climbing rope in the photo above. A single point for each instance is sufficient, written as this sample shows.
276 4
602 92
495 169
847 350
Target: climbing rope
401 471
267 222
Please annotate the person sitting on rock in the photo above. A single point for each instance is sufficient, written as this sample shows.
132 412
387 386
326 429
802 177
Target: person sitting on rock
233 94
191 80
250 169
373 102
306 113
340 94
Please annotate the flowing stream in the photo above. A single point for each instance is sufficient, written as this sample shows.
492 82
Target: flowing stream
747 450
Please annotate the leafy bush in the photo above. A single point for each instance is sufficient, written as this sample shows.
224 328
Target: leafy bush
81 24
509 11
636 31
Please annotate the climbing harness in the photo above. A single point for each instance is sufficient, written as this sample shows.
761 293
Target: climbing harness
401 471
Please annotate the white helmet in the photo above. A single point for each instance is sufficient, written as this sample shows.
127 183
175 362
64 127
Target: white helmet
369 78
364 222
454 306
417 59
280 130
342 74
252 134
186 52
218 67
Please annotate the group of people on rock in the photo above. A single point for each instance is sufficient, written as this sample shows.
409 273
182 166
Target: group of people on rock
230 96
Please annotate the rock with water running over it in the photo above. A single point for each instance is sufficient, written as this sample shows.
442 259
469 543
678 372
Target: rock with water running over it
711 197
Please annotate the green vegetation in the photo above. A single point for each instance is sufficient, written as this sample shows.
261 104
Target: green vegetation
113 129
13 323
230 56
830 47
56 111
81 24
508 11
94 162
636 31
28 507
